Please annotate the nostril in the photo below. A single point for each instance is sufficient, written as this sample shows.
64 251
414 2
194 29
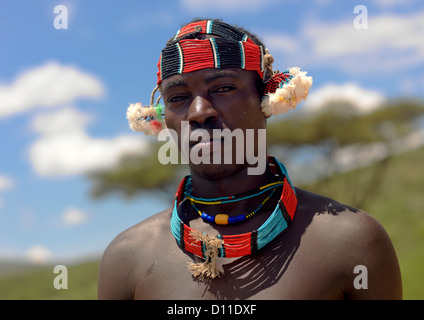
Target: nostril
194 125
211 120
206 122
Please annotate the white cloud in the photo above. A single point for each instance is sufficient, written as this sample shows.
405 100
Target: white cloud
225 5
63 121
400 34
363 100
282 43
49 85
38 254
64 148
5 183
386 4
355 156
412 141
73 217
391 42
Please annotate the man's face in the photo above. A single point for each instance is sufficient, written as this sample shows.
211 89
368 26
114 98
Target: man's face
213 99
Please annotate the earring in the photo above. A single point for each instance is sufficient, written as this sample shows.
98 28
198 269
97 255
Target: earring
285 90
147 119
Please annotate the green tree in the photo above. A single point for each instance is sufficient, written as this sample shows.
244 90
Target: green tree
335 126
341 125
135 174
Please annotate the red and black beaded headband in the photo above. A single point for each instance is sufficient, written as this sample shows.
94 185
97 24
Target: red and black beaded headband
228 47
231 48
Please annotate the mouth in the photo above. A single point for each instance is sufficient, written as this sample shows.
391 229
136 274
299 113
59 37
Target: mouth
202 138
204 143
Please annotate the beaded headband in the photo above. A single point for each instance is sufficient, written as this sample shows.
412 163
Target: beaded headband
185 52
190 50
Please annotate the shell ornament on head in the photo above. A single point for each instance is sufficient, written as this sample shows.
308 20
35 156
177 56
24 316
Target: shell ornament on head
230 48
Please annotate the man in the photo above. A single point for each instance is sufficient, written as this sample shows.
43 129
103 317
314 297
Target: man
233 234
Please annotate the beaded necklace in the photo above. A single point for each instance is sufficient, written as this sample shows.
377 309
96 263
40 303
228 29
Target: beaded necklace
226 199
232 246
224 219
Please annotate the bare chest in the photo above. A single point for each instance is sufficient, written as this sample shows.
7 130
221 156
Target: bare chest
285 269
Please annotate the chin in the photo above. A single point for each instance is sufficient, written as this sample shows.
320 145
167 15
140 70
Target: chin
216 171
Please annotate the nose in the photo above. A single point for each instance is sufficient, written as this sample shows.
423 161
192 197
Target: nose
201 112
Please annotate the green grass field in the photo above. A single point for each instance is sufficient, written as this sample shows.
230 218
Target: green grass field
398 205
38 284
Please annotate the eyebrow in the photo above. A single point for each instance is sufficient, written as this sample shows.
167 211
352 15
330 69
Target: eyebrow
178 82
221 73
217 74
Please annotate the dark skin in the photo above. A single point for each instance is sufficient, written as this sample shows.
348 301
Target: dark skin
313 259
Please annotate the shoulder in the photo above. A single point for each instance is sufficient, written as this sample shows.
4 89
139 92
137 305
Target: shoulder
125 253
354 240
338 220
142 232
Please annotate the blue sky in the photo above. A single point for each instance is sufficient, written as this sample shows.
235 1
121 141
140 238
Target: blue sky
64 93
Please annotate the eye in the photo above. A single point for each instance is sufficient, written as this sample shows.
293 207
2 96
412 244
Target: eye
224 89
175 99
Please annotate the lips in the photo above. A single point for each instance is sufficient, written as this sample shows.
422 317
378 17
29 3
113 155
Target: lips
202 143
208 144
202 138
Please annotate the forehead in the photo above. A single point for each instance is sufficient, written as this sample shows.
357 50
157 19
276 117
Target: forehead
206 76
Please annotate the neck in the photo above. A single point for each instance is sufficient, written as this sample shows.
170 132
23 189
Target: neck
212 185
238 182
